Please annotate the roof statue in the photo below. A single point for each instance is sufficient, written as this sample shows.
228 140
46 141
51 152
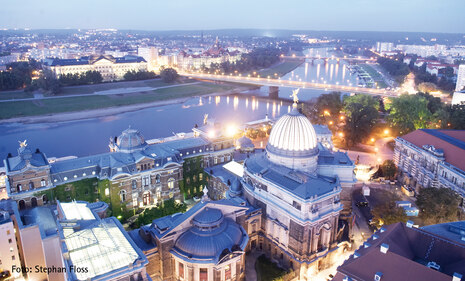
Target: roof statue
295 97
205 195
205 118
22 143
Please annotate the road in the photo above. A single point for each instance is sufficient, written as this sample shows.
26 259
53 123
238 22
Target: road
117 91
290 83
380 152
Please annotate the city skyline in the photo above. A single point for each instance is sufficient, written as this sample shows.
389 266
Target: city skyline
357 15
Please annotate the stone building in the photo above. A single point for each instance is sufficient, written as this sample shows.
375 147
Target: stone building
110 67
428 157
207 243
140 174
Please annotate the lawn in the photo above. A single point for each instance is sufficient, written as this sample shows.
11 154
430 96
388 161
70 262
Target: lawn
280 69
268 271
89 89
374 74
70 104
19 94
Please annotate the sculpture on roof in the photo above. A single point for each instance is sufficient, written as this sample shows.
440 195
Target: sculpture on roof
22 143
294 95
205 118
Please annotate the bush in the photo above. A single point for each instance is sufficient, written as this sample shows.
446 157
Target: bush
169 75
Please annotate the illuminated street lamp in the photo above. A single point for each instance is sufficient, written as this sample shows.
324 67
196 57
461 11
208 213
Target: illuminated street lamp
386 131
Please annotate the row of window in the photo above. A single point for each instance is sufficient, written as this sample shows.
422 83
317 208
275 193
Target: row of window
19 187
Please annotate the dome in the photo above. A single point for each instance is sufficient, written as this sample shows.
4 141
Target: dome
235 189
130 140
209 237
293 142
293 134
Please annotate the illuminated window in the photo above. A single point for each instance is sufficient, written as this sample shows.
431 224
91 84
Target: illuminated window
122 195
181 270
200 176
227 272
42 182
171 183
203 274
107 191
157 179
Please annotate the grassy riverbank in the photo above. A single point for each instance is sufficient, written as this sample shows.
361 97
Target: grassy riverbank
72 104
279 69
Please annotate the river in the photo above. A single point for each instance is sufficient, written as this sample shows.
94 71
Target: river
91 136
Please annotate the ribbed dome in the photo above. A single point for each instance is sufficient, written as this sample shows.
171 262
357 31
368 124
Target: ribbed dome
209 237
293 132
130 140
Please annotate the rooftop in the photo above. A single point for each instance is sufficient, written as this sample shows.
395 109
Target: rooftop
408 252
452 142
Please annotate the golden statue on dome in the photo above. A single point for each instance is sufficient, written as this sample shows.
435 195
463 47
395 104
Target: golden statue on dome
295 97
22 143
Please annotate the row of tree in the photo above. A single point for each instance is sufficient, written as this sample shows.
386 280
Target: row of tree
257 59
133 75
394 67
18 75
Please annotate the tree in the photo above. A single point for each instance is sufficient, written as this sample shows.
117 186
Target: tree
409 113
168 75
389 169
132 75
437 205
330 103
456 117
388 213
361 112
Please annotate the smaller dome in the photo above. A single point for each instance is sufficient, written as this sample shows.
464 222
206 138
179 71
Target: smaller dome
129 140
235 189
208 218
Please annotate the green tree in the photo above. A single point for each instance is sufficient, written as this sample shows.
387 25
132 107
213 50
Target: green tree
330 103
168 75
388 213
409 113
362 113
456 117
437 205
389 169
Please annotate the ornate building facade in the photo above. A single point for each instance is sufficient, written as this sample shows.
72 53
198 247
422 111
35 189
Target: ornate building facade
139 174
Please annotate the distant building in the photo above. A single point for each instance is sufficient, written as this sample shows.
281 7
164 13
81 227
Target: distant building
458 98
428 157
384 46
150 54
402 252
460 78
110 67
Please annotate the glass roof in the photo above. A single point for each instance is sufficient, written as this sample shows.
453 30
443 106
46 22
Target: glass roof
76 211
100 247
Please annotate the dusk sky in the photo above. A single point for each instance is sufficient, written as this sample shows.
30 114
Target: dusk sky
351 15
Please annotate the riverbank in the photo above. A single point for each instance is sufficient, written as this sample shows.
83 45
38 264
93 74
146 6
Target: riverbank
77 108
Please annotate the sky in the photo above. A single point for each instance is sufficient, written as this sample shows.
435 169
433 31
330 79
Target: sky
341 15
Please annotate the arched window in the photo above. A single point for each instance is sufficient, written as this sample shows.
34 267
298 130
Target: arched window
171 183
43 182
19 188
134 184
122 195
31 185
157 178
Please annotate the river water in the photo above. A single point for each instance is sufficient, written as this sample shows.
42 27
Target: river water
91 136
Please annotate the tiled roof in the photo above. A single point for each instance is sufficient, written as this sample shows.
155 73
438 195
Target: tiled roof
452 142
409 251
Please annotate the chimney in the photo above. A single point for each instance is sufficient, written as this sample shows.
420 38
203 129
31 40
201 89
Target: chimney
384 248
366 245
457 277
375 236
378 276
409 224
